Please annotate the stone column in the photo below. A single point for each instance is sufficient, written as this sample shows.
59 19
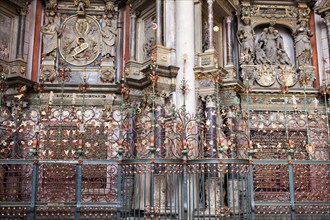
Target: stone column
229 42
119 46
159 20
327 22
210 21
21 32
211 127
132 45
185 40
169 14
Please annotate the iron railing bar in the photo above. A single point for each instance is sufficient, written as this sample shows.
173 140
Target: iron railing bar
139 198
56 204
133 194
147 161
208 190
96 204
34 190
292 191
221 189
16 161
217 161
272 203
193 194
78 190
15 204
203 192
233 189
165 199
107 162
313 203
119 190
171 190
215 189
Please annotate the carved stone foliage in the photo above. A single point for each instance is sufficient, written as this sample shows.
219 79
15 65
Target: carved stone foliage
80 40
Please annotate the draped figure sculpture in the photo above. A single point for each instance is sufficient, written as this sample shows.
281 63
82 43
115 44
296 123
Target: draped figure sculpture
302 44
109 35
50 33
246 37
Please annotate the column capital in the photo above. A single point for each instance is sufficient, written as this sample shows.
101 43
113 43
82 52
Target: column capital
326 17
23 11
134 13
229 19
210 1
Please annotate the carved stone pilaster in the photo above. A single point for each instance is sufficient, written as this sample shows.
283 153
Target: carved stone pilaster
132 45
21 30
229 42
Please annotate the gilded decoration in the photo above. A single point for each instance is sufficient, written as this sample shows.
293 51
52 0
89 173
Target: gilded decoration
80 40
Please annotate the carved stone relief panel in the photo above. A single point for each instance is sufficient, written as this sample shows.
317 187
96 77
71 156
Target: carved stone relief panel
149 36
6 24
80 40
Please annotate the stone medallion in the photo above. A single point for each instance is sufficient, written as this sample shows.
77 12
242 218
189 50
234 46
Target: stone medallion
80 40
266 75
287 75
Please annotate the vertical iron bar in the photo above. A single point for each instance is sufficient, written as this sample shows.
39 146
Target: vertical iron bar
119 191
291 185
208 189
251 191
34 191
185 192
232 176
78 191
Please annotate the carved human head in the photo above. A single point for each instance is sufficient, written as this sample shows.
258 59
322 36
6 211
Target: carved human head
246 20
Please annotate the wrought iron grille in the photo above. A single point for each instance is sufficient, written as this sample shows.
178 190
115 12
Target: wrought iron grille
150 161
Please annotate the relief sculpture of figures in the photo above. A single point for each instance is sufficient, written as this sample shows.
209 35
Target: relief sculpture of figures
109 35
246 38
50 33
302 44
270 48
